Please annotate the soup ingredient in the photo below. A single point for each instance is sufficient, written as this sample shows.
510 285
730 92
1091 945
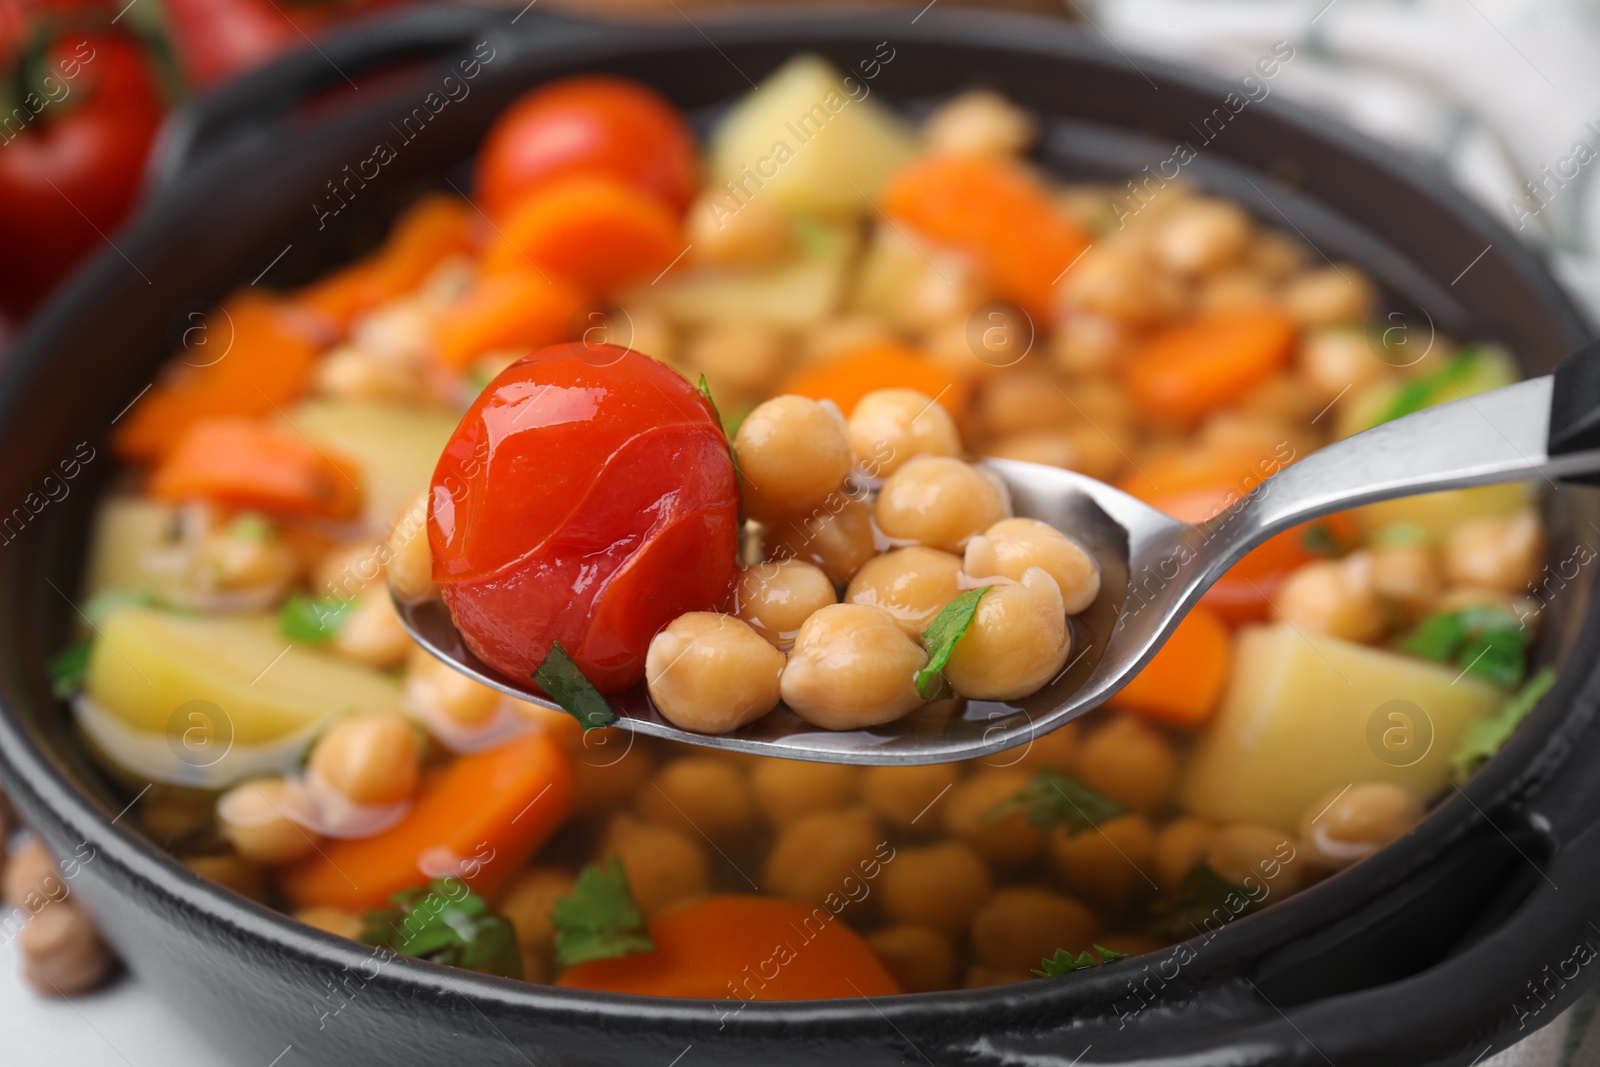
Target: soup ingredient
1183 682
1206 363
1018 641
1130 762
703 948
826 858
786 790
1334 597
1245 853
1180 846
245 463
940 887
593 230
1436 514
986 814
372 758
599 919
1106 864
479 818
447 923
1500 553
979 122
775 597
1011 546
951 624
1306 713
62 953
755 235
792 455
572 691
913 585
700 795
664 866
1204 902
243 359
1064 962
889 426
528 904
919 959
409 562
791 295
852 666
313 622
712 673
1200 235
1488 642
1483 738
518 310
587 467
1471 371
31 878
255 818
835 540
392 449
994 211
807 140
1022 924
940 502
1340 828
849 377
1051 799
593 124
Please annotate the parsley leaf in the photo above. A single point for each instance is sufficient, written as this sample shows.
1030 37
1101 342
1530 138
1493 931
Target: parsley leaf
1064 962
1203 894
1319 540
1052 799
68 668
436 922
1483 738
1430 389
1485 641
599 920
313 620
569 687
940 639
727 432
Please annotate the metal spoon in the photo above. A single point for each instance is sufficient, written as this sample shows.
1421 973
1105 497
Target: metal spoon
1154 568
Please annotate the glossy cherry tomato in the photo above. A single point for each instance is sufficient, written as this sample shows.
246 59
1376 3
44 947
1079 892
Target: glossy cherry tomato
588 124
587 497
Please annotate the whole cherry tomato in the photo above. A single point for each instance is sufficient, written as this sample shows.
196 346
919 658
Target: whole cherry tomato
587 124
587 497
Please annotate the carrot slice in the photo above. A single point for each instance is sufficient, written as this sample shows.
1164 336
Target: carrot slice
747 948
1181 685
1188 370
485 813
593 230
993 210
253 357
516 310
851 375
339 298
249 463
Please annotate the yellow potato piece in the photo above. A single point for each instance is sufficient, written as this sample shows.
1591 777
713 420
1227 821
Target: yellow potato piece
794 295
1438 513
394 448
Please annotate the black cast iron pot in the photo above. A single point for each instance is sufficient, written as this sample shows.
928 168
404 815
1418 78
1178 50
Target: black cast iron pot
1460 939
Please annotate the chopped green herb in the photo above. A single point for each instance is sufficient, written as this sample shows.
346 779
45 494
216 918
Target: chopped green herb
1205 896
705 391
313 620
68 668
252 527
1052 799
1485 641
106 601
1400 533
1320 541
728 432
940 640
1064 962
447 923
599 919
1483 738
1432 388
1499 655
1437 638
570 688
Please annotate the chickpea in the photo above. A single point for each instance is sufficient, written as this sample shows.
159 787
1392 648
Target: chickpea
346 570
977 813
1334 360
1052 448
1021 925
825 855
919 959
246 555
1018 640
1020 400
663 865
941 886
752 234
354 372
1010 547
1088 344
793 454
712 673
1056 750
1130 763
371 758
231 872
31 878
737 356
62 955
1351 824
699 795
852 666
836 539
788 790
775 597
1108 866
1334 597
646 329
1201 235
1283 396
1235 431
371 633
610 770
433 686
335 921
1118 282
399 331
527 905
1501 552
940 502
904 797
1329 296
1276 255
254 818
1409 575
410 565
889 426
1180 846
979 122
842 335
1233 290
911 584
1246 855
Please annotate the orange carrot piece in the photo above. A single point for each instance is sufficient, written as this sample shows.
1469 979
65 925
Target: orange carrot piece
851 375
747 948
340 298
1194 484
1188 370
593 230
519 310
254 356
1181 685
429 232
485 813
249 463
994 210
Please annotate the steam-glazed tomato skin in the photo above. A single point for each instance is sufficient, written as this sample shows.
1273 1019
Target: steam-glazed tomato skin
587 497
